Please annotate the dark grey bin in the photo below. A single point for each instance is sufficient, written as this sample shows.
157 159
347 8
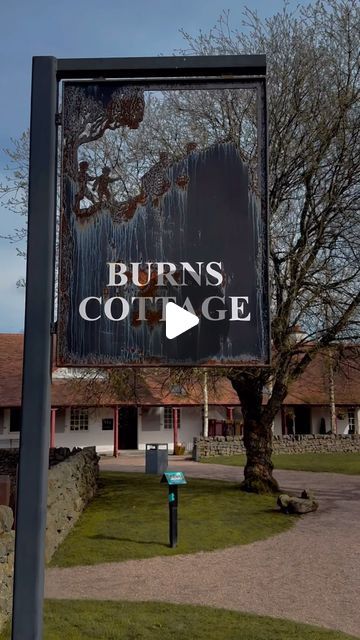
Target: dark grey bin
156 458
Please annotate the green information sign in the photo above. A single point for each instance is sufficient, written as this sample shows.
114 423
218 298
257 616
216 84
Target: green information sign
173 477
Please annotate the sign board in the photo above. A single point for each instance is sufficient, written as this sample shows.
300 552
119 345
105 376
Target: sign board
107 424
159 205
173 477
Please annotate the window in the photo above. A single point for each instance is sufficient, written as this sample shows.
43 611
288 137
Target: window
351 420
168 418
79 419
178 390
15 419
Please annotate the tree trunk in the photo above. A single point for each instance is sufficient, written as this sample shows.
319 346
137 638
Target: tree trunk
333 421
206 406
258 470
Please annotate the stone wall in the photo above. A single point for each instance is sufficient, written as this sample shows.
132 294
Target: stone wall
317 443
7 544
9 459
71 485
234 445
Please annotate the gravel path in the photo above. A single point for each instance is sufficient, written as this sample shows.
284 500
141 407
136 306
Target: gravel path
309 574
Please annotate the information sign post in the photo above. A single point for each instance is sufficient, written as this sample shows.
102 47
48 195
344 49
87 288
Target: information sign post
173 479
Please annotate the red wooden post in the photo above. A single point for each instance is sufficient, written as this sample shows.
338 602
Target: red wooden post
229 426
52 428
175 426
116 432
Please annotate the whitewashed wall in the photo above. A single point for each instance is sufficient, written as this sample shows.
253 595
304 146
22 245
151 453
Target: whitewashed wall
151 427
277 428
322 412
94 436
317 413
8 439
342 423
216 413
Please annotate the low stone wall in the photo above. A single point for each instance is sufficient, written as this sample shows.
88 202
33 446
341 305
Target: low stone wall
9 459
317 443
71 485
234 445
59 454
7 545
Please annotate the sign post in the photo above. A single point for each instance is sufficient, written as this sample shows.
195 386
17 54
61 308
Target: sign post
173 515
34 438
173 479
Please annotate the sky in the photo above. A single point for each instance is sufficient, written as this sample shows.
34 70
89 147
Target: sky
83 28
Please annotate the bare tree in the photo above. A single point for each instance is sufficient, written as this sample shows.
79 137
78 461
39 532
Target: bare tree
314 92
14 191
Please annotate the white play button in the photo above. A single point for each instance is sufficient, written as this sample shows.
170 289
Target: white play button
178 320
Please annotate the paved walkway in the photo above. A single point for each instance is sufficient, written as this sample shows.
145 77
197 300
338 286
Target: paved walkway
309 574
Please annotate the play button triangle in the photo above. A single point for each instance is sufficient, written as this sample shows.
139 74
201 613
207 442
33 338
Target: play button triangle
178 320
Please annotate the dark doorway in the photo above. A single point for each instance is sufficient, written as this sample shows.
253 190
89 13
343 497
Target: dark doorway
128 428
302 419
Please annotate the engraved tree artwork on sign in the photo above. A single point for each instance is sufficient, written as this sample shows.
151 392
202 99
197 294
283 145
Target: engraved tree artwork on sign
87 117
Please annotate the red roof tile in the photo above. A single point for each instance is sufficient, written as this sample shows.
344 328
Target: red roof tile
313 386
11 354
152 387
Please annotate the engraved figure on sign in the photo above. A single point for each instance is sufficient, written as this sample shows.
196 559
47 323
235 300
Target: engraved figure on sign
82 179
101 185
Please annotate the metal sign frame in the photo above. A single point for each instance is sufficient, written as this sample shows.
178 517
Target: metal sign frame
47 72
112 344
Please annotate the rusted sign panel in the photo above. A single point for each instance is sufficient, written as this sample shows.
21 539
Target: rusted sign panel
160 204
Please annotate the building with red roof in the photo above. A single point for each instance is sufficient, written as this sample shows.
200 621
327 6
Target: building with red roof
87 410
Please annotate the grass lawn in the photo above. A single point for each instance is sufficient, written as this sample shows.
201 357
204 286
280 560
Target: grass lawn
348 463
128 519
83 620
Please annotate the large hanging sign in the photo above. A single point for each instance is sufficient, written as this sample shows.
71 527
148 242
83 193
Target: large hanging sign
163 201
